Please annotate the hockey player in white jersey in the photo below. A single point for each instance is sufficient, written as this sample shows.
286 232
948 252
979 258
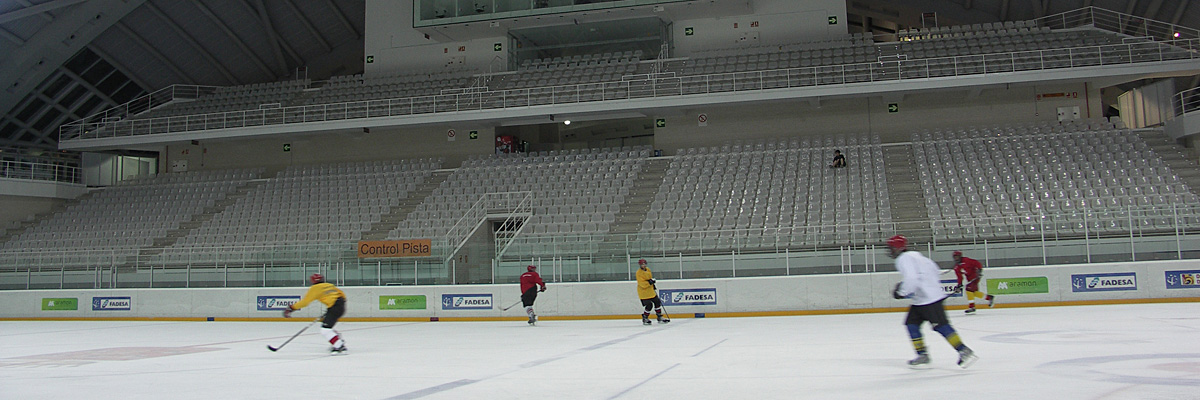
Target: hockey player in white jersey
922 284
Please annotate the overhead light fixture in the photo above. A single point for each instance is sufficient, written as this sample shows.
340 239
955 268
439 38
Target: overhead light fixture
567 122
1176 34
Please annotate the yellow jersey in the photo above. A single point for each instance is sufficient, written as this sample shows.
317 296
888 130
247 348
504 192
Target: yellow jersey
645 289
325 292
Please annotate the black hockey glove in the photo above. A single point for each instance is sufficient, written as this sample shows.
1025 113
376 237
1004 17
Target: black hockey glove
896 292
543 289
651 281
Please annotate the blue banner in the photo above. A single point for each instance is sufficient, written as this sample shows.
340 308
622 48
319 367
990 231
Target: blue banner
112 303
276 303
1104 282
688 297
948 288
466 301
1183 279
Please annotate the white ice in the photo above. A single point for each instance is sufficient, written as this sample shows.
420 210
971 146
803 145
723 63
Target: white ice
1088 352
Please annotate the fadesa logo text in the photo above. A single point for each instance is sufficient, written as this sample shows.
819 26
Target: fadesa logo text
276 303
689 297
1183 279
1103 282
948 288
466 301
112 304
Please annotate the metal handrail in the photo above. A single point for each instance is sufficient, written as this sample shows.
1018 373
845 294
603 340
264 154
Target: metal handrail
40 171
652 87
1187 101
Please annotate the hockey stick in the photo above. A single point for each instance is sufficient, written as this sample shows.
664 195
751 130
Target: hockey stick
513 305
310 324
663 307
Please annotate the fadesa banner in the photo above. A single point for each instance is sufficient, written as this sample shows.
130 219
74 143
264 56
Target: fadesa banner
688 297
112 303
1103 282
276 303
948 288
466 301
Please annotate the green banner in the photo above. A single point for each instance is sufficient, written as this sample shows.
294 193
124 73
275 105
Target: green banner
60 304
416 302
1038 284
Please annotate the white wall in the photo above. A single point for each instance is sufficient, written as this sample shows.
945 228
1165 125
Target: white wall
1148 105
397 47
735 295
773 23
926 110
381 144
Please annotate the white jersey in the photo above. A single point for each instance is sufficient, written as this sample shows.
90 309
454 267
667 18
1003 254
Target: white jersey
921 278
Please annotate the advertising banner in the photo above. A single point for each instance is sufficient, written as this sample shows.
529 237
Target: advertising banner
948 288
276 303
1029 285
1183 279
415 302
466 301
112 303
688 297
394 248
1103 282
60 304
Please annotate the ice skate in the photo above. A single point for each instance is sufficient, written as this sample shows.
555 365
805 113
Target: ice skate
969 310
663 320
921 362
991 300
646 320
338 350
966 357
532 320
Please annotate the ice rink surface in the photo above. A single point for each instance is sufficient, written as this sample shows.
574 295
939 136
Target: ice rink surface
1143 351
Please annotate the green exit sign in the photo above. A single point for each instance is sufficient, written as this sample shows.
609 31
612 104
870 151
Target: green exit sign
287 147
893 107
497 47
660 123
833 20
689 31
370 59
473 135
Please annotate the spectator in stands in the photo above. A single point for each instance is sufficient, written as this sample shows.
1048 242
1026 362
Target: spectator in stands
839 160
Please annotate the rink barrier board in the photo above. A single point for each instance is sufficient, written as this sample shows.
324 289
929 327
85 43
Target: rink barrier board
615 317
729 297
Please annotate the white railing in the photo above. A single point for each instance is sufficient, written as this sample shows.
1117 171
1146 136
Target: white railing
1187 101
40 171
650 87
1117 22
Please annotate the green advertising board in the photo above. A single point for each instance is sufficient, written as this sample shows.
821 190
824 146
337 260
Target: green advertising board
63 304
1038 284
416 302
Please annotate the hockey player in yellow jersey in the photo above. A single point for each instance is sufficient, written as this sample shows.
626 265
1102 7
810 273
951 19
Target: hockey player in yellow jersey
648 293
333 298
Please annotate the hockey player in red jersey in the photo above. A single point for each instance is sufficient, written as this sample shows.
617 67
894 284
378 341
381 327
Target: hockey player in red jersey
972 271
921 283
530 280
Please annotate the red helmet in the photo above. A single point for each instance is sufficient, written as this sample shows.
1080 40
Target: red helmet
316 278
531 268
641 261
897 242
957 253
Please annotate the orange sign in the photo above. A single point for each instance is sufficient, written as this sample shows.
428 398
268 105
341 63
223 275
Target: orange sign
394 248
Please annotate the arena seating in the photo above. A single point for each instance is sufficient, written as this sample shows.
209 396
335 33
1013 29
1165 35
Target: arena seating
772 194
412 84
306 205
575 193
119 220
1022 179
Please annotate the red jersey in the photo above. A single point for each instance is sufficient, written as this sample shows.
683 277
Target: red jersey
531 279
972 270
